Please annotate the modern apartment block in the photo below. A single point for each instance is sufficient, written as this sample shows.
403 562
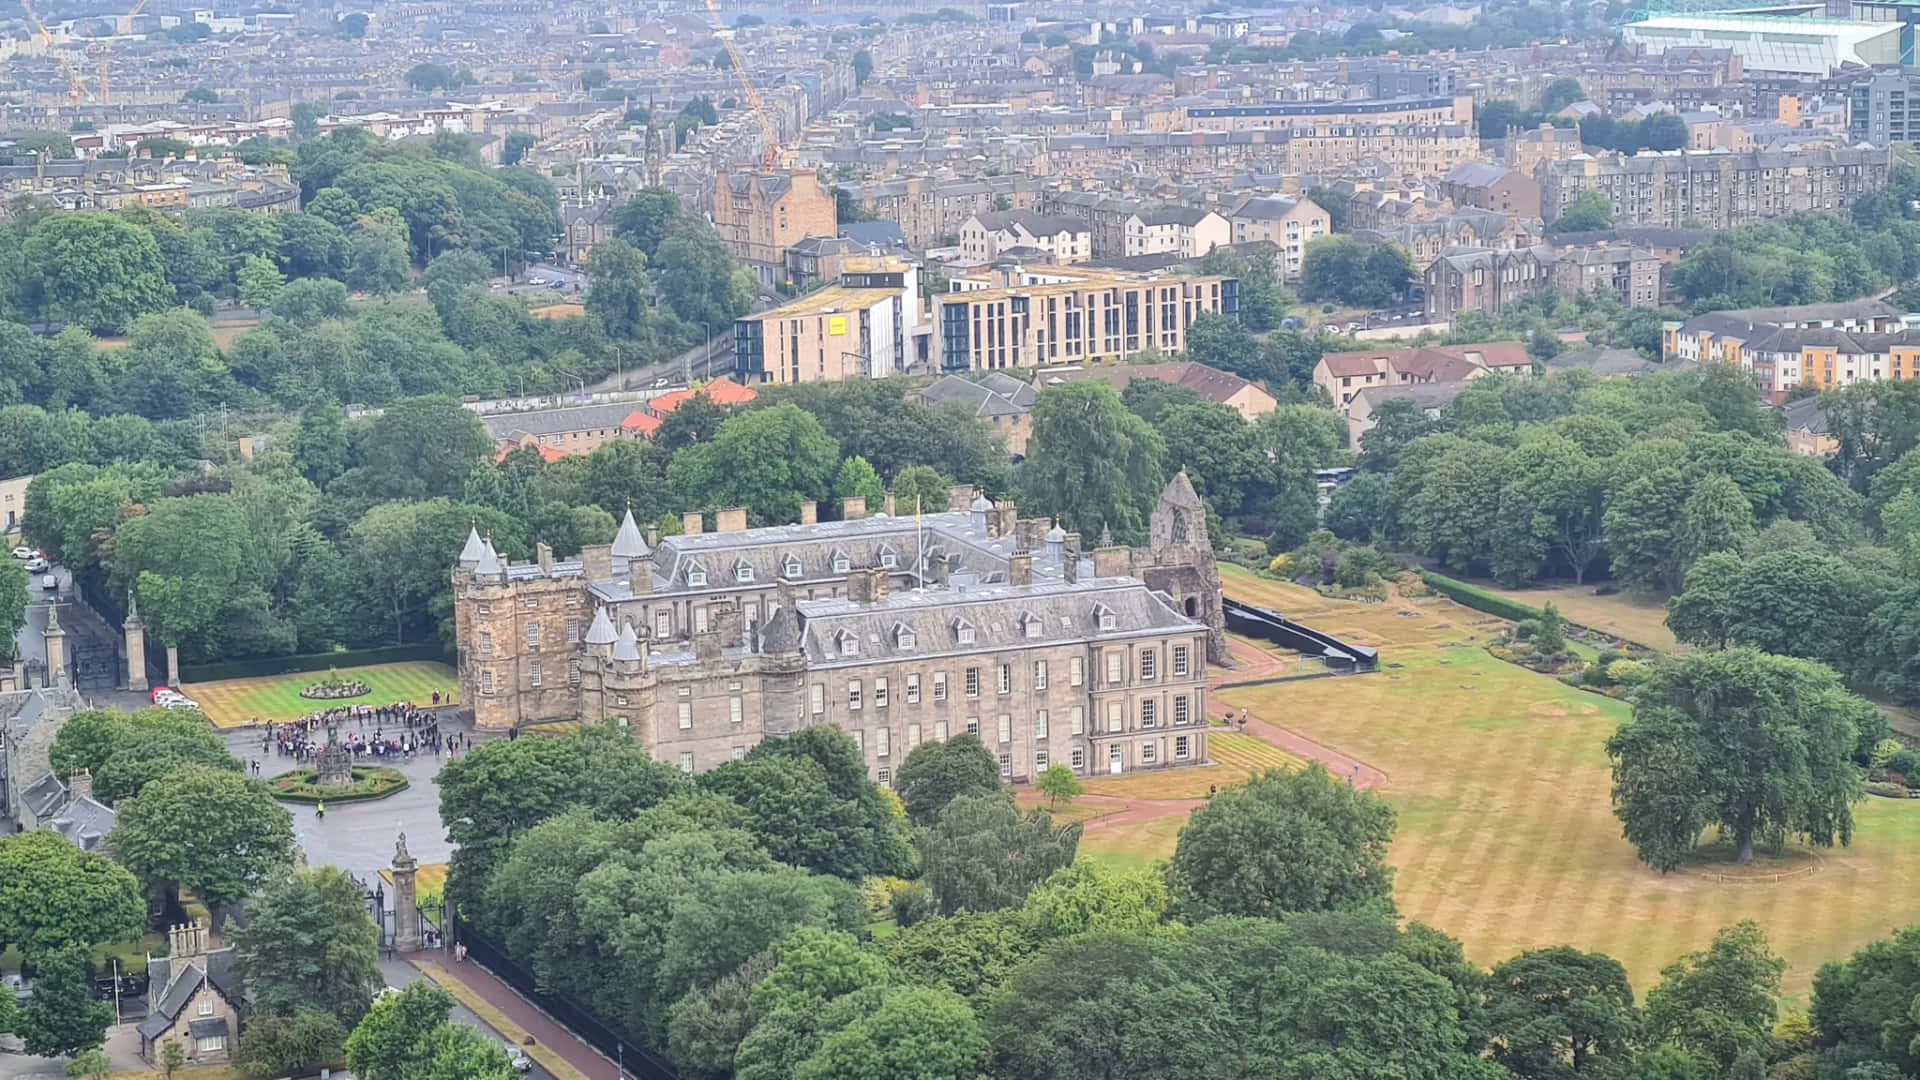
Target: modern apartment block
1694 189
1884 108
861 328
1030 318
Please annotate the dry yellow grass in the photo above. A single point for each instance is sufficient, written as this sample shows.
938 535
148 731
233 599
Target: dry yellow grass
1639 619
1507 838
558 311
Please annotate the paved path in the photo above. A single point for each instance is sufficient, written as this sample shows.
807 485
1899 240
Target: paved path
520 1011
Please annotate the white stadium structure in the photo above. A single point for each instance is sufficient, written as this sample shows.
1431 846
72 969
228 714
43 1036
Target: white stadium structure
1770 44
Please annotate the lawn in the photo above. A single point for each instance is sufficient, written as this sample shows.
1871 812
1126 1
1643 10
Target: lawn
1507 838
232 702
429 885
1639 619
1235 757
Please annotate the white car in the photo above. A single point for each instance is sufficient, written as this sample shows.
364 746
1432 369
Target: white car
24 553
49 582
37 564
518 1058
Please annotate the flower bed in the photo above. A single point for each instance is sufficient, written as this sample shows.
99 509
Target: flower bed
335 690
369 782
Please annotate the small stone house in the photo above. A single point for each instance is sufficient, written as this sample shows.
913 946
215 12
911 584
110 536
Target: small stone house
193 997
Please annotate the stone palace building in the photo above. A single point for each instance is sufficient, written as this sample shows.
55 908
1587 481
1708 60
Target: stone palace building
897 629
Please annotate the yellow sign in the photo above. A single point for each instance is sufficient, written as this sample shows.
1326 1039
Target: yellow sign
837 325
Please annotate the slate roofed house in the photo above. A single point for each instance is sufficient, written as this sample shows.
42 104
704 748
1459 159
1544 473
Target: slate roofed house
1065 240
1212 384
1001 400
1492 187
1431 398
1808 430
193 997
1608 363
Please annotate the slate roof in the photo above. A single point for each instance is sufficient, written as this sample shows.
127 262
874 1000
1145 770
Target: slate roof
1036 224
553 421
1608 362
85 823
996 395
1477 174
926 624
1806 415
1433 395
216 967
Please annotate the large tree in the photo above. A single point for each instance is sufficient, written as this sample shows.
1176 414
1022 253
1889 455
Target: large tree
767 460
809 801
212 832
308 943
915 1033
53 894
1863 1006
983 853
1721 1003
62 1018
96 270
1748 741
936 773
503 788
1091 462
1109 1007
409 1036
1284 842
1555 1013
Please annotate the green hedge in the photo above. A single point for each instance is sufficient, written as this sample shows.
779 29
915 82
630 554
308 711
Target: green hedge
364 776
287 665
1478 598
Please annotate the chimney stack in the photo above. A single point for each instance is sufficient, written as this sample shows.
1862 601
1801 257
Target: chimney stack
959 498
809 512
853 508
596 561
543 554
1020 568
691 523
80 785
731 520
882 584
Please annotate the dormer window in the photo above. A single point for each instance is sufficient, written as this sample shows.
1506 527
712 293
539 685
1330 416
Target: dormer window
1031 624
791 567
696 575
963 631
841 564
1104 618
743 572
849 644
902 636
888 559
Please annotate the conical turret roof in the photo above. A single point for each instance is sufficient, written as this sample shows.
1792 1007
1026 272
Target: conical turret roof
474 547
628 543
627 646
601 632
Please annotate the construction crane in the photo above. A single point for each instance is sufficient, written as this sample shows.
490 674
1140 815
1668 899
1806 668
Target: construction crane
125 26
76 89
775 154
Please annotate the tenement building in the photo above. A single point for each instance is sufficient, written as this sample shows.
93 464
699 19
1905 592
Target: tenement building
896 628
1715 189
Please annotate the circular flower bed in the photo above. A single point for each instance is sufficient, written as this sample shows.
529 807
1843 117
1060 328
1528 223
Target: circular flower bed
335 689
369 782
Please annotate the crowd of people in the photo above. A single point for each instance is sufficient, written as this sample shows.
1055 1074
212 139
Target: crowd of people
399 730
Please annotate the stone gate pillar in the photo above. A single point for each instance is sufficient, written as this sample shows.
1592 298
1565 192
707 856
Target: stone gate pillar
406 912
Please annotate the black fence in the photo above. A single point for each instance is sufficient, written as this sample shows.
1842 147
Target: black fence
1271 626
629 1053
114 614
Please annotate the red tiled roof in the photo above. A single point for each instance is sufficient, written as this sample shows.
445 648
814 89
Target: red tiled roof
721 391
641 422
547 453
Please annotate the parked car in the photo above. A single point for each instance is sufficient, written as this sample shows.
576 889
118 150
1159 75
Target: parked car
518 1058
49 582
37 564
24 553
